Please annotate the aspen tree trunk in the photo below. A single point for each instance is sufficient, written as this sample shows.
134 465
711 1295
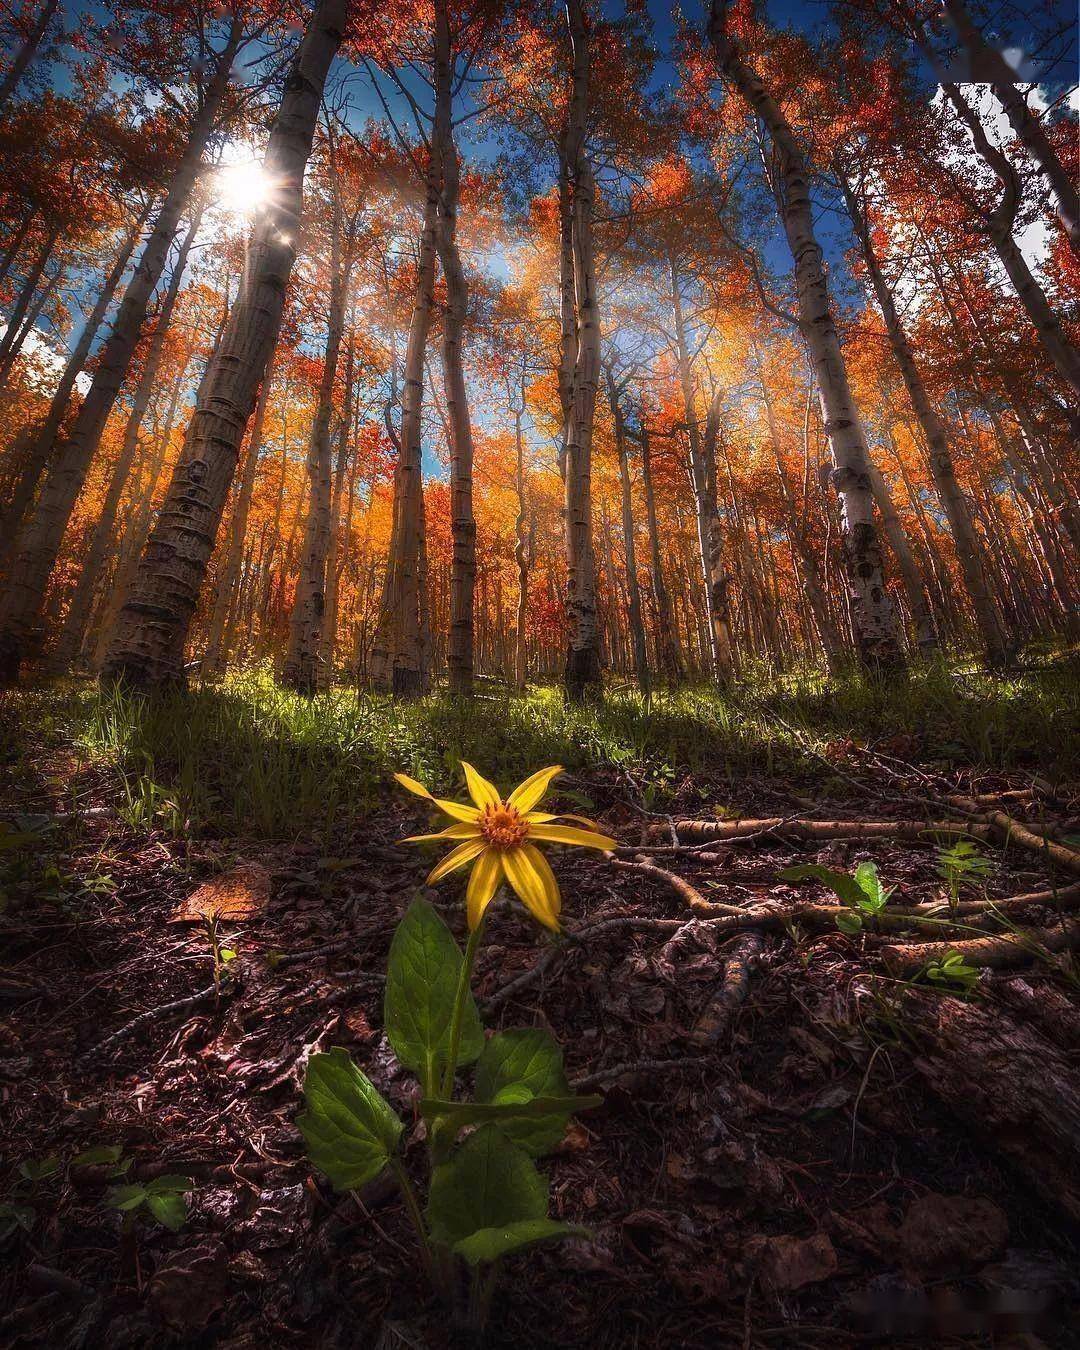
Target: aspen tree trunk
999 227
397 656
15 243
45 437
990 65
523 552
637 624
910 574
667 642
304 656
216 656
811 573
26 53
582 676
874 621
44 534
14 333
936 436
152 629
710 544
75 620
46 290
135 534
1062 496
568 352
339 532
459 654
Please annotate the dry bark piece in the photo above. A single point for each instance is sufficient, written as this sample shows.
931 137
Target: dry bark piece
717 1015
789 1263
947 1233
1010 1083
233 897
189 1286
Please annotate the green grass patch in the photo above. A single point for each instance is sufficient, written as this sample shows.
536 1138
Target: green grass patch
246 757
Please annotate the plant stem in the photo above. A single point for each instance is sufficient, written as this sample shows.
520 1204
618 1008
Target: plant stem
412 1208
464 978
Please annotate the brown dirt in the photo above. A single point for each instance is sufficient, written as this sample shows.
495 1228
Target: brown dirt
797 1187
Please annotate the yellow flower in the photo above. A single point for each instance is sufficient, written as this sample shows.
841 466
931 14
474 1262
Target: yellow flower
499 838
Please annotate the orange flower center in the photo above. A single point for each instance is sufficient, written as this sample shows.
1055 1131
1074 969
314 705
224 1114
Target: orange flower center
502 826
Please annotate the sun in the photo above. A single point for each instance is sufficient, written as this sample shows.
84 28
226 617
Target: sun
241 186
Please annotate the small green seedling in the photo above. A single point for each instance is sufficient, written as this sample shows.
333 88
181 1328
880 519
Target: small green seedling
15 1217
861 891
162 1199
959 864
953 970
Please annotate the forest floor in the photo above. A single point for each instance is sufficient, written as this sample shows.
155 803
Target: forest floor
798 1146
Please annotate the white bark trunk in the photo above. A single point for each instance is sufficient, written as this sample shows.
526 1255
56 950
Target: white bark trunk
152 627
874 620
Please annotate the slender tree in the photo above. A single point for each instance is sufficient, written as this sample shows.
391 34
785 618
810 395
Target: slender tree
148 646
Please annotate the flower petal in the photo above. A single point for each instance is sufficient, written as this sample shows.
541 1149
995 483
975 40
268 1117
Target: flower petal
465 830
455 810
481 791
566 834
527 794
483 883
457 857
411 785
528 871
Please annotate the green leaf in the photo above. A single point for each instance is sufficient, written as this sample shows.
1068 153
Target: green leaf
421 984
875 895
100 1153
489 1244
172 1184
126 1197
349 1129
516 1115
170 1210
526 1058
488 1183
849 923
843 886
37 1169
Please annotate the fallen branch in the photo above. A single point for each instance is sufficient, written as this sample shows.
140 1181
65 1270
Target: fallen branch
995 953
679 885
1008 830
151 1015
782 827
616 1071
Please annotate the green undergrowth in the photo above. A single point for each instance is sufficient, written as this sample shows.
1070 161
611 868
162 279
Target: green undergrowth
246 757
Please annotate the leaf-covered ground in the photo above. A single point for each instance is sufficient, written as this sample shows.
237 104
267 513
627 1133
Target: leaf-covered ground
801 1182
